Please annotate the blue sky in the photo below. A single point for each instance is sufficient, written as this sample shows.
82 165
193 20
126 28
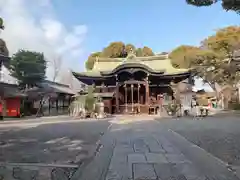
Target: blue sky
161 25
72 29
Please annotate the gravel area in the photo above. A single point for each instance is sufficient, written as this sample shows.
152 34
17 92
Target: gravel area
219 135
60 143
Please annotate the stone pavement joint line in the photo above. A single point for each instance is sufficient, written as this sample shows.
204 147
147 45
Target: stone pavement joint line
143 151
140 156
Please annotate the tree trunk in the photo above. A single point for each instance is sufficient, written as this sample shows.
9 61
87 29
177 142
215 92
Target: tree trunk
226 102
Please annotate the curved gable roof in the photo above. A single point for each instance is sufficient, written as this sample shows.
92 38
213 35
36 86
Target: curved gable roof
153 64
133 65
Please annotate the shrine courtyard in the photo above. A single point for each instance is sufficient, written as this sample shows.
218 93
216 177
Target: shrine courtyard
131 147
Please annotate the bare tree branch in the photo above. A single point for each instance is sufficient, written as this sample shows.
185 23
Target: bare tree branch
57 64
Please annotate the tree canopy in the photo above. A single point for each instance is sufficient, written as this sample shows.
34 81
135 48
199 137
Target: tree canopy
3 48
225 42
146 51
117 50
226 4
114 50
212 59
222 46
91 60
1 23
28 67
182 56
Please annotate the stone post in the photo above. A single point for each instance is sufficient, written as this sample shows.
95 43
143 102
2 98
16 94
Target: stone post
177 97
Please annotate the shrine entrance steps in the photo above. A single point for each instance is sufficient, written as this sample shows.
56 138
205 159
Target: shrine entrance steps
136 116
163 113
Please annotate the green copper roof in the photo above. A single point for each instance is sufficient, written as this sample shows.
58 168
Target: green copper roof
156 63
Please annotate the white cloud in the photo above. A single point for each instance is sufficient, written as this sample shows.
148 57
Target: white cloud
34 26
52 30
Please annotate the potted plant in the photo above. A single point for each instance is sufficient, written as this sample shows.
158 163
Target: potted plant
172 109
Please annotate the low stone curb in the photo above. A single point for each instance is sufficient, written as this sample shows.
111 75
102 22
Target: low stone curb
97 166
31 119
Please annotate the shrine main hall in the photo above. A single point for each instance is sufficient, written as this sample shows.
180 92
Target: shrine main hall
133 84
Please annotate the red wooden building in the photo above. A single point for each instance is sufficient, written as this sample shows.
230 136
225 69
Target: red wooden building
12 98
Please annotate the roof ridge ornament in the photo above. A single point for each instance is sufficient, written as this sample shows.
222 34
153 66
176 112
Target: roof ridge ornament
131 55
97 58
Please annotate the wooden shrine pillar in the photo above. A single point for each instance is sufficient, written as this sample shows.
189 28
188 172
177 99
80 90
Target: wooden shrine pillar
126 109
117 98
102 87
117 94
147 91
138 97
132 96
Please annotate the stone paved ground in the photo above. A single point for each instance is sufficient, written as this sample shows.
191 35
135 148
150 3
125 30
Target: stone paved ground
219 135
145 155
143 149
47 147
58 143
133 148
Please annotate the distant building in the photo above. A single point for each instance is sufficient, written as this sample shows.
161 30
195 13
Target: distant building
55 97
48 98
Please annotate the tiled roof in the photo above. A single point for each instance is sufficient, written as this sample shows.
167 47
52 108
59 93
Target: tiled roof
156 63
55 87
10 90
